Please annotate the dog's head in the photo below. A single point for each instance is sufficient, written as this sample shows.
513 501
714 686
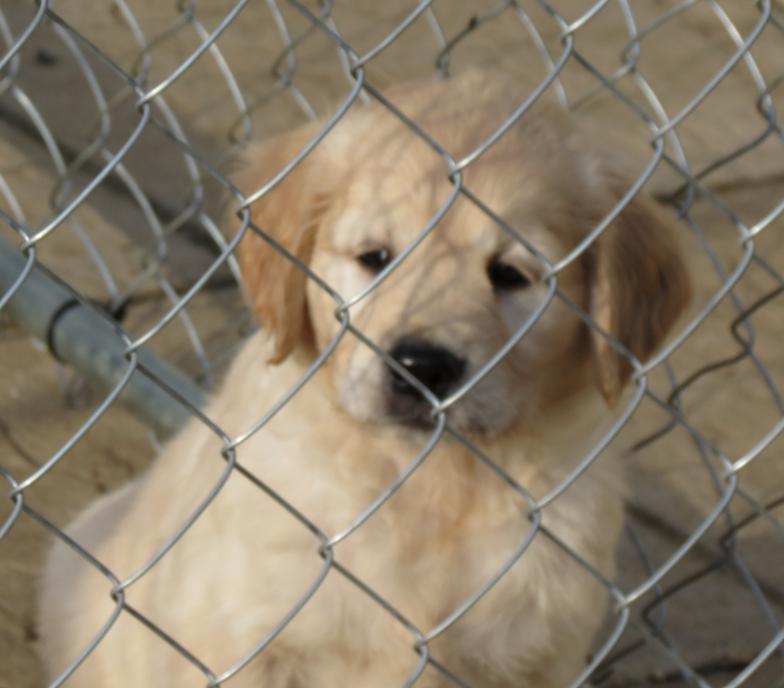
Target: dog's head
369 189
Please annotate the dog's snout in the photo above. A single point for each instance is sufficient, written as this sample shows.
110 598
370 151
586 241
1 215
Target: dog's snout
435 367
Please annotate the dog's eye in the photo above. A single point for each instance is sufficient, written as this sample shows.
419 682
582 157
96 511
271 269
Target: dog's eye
376 259
505 277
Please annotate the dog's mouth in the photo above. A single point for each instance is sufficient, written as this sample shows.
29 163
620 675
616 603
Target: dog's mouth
441 371
411 410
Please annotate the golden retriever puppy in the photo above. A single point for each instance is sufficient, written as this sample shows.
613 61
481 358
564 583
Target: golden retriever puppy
386 587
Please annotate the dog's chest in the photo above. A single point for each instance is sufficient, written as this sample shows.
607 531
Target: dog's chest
451 548
444 546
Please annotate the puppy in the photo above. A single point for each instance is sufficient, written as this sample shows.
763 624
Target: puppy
387 582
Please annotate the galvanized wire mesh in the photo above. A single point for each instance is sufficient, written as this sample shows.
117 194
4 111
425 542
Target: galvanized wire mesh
142 136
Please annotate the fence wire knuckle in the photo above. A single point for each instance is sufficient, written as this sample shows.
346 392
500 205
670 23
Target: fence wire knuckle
127 183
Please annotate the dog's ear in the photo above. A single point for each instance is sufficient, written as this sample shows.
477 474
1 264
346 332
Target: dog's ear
640 285
289 214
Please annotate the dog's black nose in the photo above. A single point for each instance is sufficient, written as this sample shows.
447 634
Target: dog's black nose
435 367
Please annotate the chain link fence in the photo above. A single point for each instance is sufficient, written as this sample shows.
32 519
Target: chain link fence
119 123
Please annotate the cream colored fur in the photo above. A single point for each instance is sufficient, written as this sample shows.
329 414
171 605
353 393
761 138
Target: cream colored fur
334 447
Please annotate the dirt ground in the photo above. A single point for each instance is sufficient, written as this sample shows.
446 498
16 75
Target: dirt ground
714 621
